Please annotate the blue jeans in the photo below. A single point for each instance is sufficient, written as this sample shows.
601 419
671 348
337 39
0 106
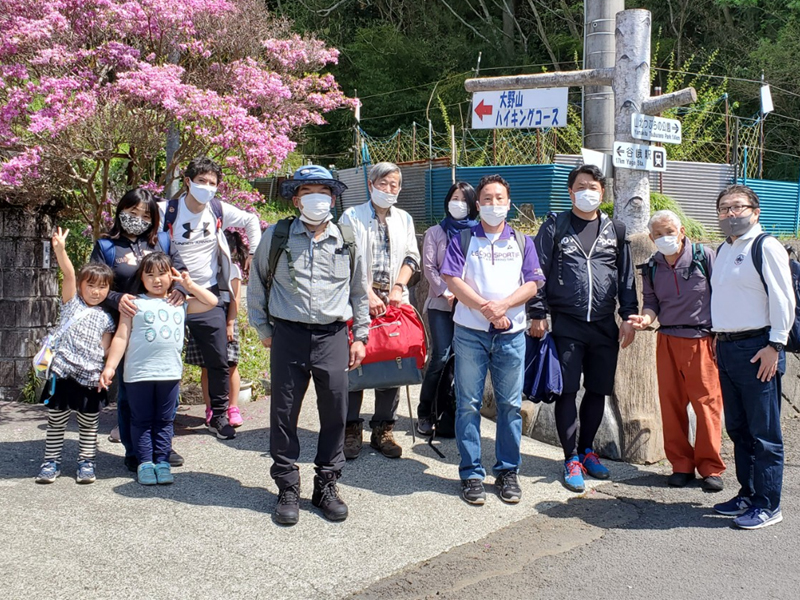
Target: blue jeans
153 405
753 420
503 356
441 326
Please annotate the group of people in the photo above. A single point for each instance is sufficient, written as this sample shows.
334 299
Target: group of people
489 286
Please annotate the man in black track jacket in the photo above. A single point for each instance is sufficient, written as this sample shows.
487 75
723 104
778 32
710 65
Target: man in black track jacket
589 269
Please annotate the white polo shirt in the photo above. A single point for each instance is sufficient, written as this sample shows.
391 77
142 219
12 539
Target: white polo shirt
738 299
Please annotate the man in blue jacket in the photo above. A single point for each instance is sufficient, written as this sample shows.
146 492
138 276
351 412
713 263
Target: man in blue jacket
588 268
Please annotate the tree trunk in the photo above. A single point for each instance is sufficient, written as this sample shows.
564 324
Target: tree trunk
509 18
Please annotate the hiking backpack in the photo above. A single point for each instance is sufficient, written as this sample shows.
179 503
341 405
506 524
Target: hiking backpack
280 243
757 254
171 213
109 251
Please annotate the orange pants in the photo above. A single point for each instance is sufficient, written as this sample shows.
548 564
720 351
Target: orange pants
687 374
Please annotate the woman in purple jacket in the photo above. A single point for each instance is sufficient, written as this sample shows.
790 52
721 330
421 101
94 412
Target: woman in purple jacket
461 212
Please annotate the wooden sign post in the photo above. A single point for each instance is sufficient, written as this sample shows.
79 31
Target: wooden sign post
636 391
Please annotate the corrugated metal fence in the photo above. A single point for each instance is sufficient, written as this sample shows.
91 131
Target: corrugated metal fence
694 186
543 186
780 205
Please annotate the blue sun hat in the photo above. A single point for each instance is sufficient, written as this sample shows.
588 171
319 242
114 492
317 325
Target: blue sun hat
309 175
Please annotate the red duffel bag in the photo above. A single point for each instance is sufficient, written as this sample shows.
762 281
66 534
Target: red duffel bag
395 353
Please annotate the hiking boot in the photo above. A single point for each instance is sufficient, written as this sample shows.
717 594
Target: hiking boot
573 475
287 511
680 479
175 459
425 426
734 507
383 440
472 491
508 486
326 496
48 472
85 472
756 518
591 465
220 427
353 439
712 483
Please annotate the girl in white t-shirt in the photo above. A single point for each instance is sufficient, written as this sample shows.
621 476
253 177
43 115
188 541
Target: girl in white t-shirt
152 341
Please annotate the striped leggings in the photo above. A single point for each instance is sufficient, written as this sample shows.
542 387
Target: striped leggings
57 424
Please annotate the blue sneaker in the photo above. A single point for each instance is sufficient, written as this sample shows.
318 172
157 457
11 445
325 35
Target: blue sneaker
164 473
591 464
756 518
48 472
146 474
573 475
734 507
85 472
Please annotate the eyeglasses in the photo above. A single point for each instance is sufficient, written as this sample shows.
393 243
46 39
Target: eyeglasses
733 210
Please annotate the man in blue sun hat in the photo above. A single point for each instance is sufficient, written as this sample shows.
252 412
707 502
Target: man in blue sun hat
307 281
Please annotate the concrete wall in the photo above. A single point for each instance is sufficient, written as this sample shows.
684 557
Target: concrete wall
28 293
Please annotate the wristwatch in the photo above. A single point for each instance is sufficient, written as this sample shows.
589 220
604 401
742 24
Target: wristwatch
402 286
777 346
364 340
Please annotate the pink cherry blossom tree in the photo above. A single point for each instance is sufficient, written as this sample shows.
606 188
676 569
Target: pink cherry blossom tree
90 88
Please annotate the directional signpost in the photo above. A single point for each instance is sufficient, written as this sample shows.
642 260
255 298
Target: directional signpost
656 129
640 157
520 109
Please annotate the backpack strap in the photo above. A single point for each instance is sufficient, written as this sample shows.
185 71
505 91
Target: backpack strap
521 241
170 214
278 245
700 259
757 255
109 251
164 241
216 208
349 237
464 239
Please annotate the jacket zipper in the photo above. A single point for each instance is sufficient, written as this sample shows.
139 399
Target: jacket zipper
589 271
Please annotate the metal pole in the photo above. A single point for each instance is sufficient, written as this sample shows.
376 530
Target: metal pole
414 141
735 149
727 130
598 52
453 152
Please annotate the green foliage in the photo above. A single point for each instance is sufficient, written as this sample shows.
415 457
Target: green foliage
32 389
694 228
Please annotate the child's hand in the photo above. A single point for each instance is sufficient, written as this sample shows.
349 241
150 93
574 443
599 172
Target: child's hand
183 278
60 240
105 378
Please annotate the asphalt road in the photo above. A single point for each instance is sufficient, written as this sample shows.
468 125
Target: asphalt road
636 539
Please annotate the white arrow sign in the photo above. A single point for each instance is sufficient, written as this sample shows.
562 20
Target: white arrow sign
520 109
656 129
640 157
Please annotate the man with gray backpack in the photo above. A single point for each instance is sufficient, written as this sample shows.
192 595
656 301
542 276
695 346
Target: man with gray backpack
307 281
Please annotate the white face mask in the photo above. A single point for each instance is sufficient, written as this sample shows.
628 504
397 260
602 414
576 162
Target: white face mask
493 215
587 200
383 199
315 208
668 245
458 209
202 193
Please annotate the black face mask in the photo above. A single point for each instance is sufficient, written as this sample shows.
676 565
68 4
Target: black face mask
735 226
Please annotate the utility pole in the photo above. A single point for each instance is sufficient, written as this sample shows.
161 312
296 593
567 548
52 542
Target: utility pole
598 53
635 386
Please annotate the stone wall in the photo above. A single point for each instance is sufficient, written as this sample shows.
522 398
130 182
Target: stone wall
28 293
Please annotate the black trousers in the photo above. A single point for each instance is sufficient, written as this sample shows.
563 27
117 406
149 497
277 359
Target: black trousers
297 355
209 329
